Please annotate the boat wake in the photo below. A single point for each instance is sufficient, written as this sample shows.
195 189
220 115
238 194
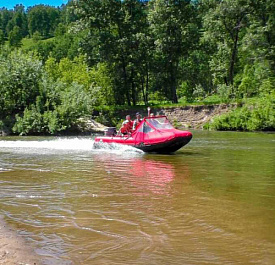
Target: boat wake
64 144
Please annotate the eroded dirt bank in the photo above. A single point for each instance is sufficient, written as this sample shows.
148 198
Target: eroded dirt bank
13 248
188 116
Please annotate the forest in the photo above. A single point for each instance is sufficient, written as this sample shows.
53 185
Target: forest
58 64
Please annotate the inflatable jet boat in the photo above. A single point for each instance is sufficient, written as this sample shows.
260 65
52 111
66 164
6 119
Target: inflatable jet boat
154 134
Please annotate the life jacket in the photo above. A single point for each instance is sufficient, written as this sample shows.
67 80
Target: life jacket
126 127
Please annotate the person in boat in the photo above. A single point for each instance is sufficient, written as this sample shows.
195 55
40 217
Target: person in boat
154 122
127 126
137 121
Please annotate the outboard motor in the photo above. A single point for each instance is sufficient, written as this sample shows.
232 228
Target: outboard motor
110 131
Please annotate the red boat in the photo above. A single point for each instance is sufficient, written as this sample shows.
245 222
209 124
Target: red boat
154 134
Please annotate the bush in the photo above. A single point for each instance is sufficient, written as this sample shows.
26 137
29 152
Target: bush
60 112
213 99
256 117
224 92
20 75
31 102
31 122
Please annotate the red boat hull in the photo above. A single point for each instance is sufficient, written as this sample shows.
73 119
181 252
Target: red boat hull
166 147
169 146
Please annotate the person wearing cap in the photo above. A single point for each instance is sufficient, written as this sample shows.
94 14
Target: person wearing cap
137 121
127 125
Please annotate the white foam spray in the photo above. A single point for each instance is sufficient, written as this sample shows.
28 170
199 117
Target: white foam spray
64 144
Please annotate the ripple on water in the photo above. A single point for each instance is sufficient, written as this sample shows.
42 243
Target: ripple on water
4 169
201 206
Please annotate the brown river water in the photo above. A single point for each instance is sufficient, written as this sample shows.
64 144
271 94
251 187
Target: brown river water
212 202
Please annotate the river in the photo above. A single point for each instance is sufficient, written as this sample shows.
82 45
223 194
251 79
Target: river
212 202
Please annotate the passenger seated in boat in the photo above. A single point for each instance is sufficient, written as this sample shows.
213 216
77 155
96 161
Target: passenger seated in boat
127 126
154 122
137 121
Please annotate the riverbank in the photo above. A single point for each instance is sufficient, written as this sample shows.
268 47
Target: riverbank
250 116
256 114
183 117
13 248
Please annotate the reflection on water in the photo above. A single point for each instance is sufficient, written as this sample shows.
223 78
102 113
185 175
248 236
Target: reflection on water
213 202
142 172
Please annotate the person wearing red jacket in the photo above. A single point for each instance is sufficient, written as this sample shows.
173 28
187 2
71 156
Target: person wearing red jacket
127 125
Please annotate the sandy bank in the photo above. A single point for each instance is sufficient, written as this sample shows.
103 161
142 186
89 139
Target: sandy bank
13 248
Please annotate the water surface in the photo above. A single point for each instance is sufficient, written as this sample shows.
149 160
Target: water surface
212 202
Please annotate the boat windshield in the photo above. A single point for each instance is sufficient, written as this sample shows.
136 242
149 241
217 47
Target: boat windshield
160 123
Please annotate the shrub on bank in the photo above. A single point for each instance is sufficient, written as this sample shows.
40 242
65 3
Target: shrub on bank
58 111
32 102
259 116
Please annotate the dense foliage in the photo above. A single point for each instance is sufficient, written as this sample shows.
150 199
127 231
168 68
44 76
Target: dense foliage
57 64
34 102
259 116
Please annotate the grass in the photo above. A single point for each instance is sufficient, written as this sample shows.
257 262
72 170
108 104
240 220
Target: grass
28 43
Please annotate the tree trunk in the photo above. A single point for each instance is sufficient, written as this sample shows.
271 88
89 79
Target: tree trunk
133 88
173 81
126 91
147 84
174 91
233 59
133 93
234 53
143 90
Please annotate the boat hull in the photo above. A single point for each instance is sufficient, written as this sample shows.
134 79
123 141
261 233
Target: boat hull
165 147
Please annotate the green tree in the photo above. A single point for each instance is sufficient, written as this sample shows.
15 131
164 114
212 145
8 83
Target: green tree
60 30
15 37
10 26
2 37
6 17
61 46
43 19
36 36
69 71
115 30
20 75
224 27
20 19
1 20
33 102
16 17
68 14
55 109
173 33
102 83
262 30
